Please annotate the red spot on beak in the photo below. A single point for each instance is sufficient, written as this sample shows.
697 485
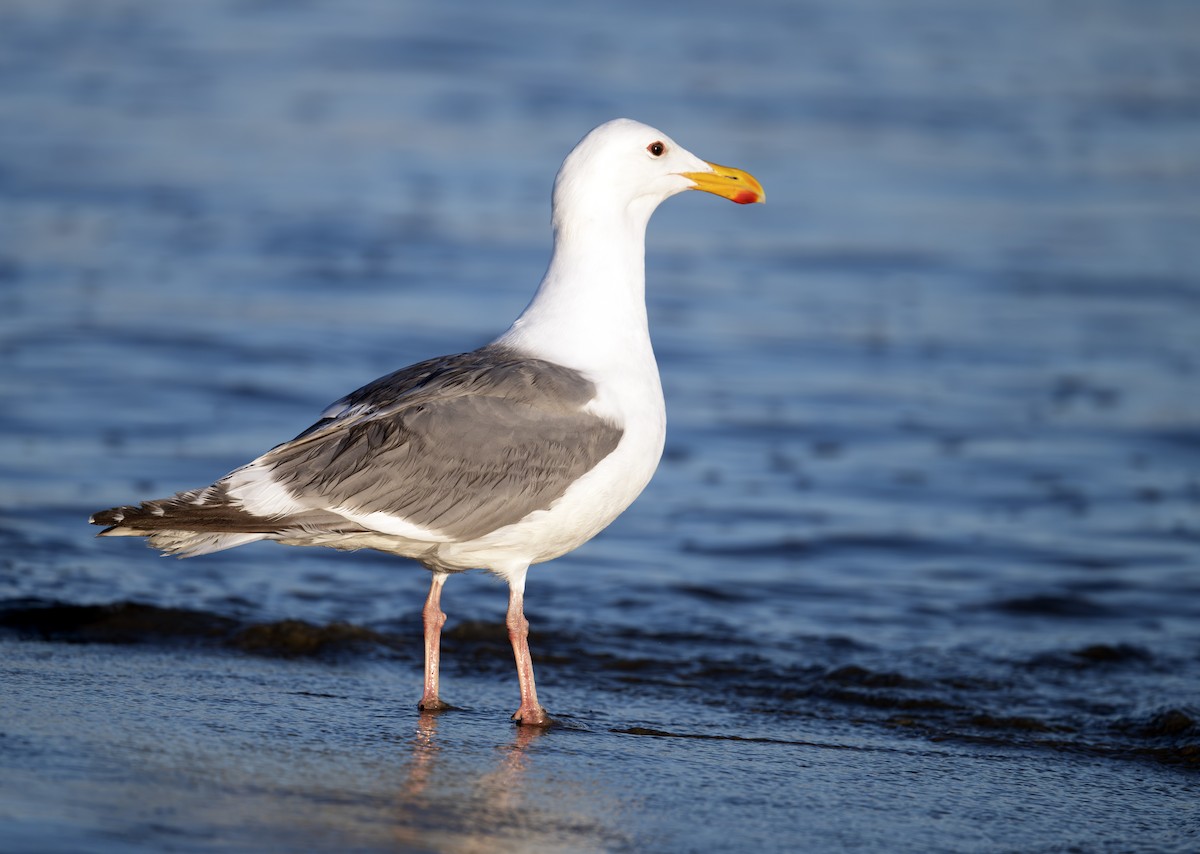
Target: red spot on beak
745 197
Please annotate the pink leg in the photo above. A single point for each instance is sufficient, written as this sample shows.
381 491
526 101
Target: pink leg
434 620
530 713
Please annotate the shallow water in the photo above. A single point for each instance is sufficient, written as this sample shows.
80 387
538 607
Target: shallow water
920 569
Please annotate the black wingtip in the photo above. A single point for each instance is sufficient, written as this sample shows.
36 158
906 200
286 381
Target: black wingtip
111 517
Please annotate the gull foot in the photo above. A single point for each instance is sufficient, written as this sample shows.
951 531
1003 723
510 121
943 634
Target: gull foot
532 716
433 704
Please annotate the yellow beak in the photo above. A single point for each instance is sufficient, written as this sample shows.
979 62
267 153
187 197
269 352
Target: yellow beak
729 183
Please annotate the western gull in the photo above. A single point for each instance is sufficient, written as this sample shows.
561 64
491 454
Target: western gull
503 457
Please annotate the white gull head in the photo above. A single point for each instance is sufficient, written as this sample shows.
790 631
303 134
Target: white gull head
589 312
624 166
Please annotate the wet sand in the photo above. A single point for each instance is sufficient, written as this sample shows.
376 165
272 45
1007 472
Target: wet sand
152 749
133 729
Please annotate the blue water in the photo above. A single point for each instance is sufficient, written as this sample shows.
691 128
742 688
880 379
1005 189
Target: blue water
920 569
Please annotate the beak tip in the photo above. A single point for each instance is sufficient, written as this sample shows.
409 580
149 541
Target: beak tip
749 197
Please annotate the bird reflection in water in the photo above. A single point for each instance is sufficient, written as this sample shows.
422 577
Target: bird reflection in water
447 799
424 754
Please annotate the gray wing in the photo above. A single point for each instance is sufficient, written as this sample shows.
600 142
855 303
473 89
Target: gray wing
462 445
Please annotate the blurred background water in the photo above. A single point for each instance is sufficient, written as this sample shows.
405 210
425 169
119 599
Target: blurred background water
920 569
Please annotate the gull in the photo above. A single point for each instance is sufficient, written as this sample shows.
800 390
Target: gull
499 458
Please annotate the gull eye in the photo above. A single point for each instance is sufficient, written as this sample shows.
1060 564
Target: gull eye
656 148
